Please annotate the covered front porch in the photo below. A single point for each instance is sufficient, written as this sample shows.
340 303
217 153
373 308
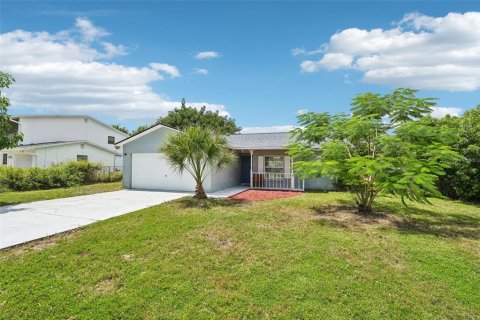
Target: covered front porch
269 170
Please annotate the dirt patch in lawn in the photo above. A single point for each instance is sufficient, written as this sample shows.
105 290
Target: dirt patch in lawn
105 286
257 195
41 244
348 217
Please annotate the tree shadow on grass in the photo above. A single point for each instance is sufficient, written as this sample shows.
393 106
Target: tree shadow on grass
404 219
192 202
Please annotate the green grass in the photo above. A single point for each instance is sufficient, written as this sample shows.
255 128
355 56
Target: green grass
8 198
308 257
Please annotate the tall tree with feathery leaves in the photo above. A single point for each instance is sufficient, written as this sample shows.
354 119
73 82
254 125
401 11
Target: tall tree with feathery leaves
382 147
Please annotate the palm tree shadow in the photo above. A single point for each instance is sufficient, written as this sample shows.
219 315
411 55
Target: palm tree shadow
404 219
192 202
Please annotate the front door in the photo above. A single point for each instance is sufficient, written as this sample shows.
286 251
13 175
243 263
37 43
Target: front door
245 167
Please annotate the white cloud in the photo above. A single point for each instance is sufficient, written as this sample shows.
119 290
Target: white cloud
172 71
330 61
284 128
200 71
63 73
89 31
112 50
207 55
302 111
440 112
421 52
304 52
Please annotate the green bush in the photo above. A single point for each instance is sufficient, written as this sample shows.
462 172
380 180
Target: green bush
462 180
108 177
61 176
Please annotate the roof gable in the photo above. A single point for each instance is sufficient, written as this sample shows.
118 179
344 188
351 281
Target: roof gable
144 133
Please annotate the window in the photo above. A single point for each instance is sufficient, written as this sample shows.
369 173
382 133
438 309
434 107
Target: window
82 146
111 140
4 159
81 157
274 167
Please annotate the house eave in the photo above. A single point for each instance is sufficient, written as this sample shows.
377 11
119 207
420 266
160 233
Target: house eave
23 148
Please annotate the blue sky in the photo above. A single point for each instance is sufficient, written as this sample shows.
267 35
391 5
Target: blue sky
256 77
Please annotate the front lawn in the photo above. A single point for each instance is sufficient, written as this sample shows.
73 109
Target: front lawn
7 198
307 257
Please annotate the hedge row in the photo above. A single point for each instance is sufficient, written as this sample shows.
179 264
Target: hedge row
62 176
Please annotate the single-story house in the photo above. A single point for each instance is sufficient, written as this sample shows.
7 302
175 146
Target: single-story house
262 163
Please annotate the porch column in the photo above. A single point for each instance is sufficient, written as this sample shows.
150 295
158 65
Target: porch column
251 168
292 175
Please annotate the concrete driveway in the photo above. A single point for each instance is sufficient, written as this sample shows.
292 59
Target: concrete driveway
29 221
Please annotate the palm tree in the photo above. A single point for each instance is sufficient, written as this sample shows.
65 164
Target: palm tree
196 150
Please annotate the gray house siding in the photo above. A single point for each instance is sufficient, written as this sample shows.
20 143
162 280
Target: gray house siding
225 178
323 183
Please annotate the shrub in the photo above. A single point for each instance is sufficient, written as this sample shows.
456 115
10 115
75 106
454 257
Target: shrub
61 176
462 180
86 171
103 177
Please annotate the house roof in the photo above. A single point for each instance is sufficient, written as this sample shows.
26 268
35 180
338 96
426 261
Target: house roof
143 133
58 143
259 141
16 117
248 141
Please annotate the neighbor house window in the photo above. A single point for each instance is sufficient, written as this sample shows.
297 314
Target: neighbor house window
274 167
111 140
81 157
4 159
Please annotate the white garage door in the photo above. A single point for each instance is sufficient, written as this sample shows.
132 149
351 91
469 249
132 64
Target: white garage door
151 171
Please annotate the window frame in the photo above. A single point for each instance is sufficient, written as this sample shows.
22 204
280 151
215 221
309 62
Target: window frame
112 139
82 157
272 175
5 159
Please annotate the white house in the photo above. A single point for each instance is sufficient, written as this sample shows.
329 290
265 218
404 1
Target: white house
55 139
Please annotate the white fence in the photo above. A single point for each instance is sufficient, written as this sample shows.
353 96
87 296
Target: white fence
276 181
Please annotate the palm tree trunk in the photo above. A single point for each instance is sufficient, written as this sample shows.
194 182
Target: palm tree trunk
200 192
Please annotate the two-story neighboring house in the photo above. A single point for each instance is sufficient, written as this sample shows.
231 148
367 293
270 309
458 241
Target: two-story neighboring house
55 139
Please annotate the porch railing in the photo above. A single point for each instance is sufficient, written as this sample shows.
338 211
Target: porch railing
276 181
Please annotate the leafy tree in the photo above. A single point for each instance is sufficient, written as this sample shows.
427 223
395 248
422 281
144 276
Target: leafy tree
462 180
195 150
185 117
8 138
381 147
119 127
139 129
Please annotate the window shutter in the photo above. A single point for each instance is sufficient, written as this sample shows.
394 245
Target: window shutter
260 164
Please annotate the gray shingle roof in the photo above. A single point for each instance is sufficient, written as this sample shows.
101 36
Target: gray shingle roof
256 141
